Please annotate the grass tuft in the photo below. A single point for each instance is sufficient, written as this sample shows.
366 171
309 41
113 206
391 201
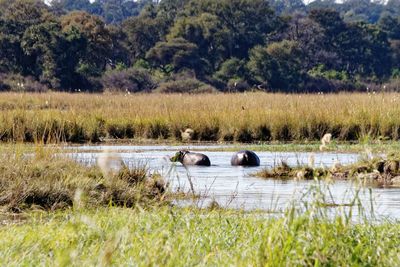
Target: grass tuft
51 182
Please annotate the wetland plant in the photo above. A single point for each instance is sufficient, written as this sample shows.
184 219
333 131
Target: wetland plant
61 117
376 171
51 181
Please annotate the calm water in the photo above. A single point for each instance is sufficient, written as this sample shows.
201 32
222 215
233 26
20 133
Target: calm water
234 187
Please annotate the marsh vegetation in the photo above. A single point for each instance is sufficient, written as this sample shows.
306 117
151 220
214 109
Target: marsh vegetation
374 172
182 237
251 117
57 211
45 180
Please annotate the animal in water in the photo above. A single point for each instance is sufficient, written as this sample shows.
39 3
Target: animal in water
245 158
189 158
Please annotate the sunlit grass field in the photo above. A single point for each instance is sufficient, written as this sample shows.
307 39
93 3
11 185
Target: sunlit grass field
250 117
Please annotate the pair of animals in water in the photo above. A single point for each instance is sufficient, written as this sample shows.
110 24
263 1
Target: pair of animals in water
241 158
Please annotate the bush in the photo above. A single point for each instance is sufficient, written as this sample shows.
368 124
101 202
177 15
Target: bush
189 85
393 85
237 85
322 84
129 80
18 83
3 85
232 68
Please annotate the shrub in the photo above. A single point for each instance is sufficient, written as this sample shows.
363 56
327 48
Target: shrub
18 83
189 85
322 84
3 85
237 85
129 80
393 85
232 68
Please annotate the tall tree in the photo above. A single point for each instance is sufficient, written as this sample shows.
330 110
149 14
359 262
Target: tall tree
142 33
18 16
247 22
98 49
288 6
277 66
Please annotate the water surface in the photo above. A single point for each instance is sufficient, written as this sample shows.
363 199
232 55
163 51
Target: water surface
235 187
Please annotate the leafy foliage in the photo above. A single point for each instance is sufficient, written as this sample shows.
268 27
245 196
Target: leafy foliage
233 45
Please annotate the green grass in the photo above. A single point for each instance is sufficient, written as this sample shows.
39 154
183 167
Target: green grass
186 237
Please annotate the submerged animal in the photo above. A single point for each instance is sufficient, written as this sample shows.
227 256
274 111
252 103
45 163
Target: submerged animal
189 158
245 158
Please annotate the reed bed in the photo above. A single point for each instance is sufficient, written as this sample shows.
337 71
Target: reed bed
250 117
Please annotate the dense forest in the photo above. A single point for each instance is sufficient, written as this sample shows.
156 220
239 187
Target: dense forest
199 45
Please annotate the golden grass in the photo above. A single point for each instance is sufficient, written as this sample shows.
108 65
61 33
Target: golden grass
57 117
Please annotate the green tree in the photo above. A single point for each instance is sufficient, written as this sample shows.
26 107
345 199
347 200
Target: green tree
232 68
288 6
208 33
41 42
393 7
98 49
391 25
17 17
176 53
224 29
119 51
277 66
142 33
311 40
56 54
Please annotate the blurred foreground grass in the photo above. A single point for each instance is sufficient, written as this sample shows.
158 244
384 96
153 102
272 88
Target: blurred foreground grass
186 237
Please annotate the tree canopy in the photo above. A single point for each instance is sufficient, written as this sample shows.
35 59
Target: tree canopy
271 45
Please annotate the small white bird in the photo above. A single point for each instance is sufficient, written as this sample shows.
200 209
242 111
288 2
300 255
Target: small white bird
326 140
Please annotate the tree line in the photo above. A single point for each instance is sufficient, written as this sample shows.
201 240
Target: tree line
199 45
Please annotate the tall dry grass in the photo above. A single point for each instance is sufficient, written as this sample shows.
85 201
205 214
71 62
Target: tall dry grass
58 117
